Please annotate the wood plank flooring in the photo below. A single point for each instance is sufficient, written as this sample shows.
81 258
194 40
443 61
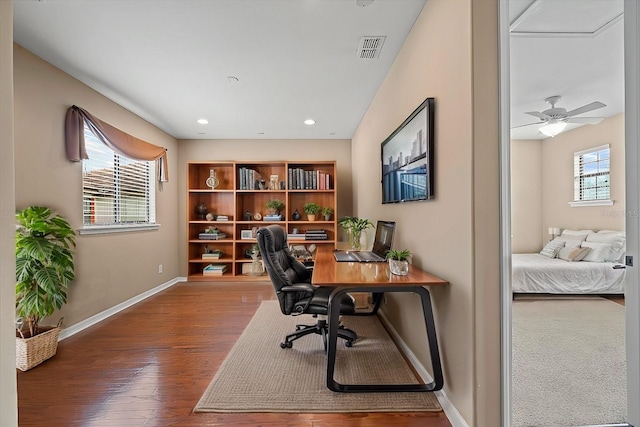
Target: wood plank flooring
148 366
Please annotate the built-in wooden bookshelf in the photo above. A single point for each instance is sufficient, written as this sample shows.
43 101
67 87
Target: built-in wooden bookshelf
239 198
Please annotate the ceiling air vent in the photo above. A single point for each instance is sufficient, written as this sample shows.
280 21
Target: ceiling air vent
370 47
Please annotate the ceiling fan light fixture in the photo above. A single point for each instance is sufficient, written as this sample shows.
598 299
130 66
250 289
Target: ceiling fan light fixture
552 129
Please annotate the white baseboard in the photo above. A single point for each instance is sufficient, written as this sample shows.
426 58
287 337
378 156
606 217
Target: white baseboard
80 326
449 409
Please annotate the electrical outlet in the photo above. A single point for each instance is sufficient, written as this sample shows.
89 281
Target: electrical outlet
159 268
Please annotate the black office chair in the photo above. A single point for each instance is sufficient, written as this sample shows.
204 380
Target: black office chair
292 283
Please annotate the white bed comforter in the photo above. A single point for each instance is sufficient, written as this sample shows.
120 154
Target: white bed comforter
536 273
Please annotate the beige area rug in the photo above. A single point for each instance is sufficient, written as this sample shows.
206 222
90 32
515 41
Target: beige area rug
569 364
259 376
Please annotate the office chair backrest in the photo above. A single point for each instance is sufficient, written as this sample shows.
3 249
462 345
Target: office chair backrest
282 267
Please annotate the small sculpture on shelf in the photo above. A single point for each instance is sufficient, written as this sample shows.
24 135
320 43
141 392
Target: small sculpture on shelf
201 210
296 215
212 181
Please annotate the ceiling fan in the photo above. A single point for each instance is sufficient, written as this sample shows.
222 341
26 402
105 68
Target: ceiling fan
555 119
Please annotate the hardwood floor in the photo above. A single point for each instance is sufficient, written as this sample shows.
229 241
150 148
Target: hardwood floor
148 366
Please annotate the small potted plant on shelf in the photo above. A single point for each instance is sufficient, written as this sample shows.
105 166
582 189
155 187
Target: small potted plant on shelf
274 206
398 261
327 212
311 209
44 269
354 227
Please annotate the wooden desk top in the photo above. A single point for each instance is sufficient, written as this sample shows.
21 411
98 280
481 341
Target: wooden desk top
328 272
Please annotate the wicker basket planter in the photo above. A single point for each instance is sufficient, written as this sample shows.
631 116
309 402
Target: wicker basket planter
30 352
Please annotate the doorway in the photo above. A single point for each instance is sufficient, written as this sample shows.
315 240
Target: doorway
632 230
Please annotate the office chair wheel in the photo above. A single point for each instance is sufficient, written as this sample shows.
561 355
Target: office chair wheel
286 344
348 343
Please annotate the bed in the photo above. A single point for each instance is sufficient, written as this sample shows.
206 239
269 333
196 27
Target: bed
554 271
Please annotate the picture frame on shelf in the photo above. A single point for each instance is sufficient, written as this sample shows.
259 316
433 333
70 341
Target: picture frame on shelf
274 182
246 234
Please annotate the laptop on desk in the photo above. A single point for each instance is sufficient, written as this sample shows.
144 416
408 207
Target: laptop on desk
381 245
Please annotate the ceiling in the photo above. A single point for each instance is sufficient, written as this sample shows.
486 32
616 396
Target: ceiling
258 68
572 48
173 62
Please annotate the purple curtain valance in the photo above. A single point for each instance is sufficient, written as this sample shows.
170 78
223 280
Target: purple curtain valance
119 141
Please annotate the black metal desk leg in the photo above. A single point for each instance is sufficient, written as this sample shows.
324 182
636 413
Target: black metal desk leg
333 315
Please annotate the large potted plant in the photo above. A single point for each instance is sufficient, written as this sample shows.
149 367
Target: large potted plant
354 227
44 269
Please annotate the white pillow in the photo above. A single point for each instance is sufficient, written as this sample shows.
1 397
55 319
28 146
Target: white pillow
551 249
580 235
600 252
616 239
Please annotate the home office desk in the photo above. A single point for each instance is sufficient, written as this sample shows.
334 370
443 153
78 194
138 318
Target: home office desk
376 278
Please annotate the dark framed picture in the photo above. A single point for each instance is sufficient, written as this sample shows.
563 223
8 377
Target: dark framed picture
407 158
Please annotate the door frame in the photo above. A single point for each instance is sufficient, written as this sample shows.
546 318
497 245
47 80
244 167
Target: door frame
632 203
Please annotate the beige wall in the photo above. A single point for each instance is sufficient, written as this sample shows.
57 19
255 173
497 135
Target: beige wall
557 178
109 268
542 184
526 195
8 391
457 230
263 150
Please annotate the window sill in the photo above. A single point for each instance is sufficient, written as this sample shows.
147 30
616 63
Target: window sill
108 229
591 203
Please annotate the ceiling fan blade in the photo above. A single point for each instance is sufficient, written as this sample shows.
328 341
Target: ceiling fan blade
588 120
538 114
586 108
528 124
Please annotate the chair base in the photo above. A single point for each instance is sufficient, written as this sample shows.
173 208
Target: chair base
320 328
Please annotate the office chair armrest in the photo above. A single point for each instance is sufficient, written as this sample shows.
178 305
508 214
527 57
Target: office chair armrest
305 288
298 287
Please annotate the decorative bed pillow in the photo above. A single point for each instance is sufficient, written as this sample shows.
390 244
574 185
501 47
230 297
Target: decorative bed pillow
577 254
569 245
600 252
551 249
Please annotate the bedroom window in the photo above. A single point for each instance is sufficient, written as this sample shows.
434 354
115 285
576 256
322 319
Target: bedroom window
118 193
591 177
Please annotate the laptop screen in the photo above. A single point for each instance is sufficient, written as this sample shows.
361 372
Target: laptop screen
384 237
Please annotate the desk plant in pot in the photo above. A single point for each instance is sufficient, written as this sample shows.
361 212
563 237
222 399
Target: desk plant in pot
44 269
354 227
399 261
311 209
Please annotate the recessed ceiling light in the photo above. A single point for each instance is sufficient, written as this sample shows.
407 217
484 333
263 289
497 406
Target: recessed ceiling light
260 133
203 121
363 3
309 122
232 79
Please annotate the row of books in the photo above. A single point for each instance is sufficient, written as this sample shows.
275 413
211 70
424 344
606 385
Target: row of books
212 236
222 218
214 269
319 234
249 179
300 179
212 254
273 217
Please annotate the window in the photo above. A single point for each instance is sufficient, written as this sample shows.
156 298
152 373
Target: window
591 176
118 192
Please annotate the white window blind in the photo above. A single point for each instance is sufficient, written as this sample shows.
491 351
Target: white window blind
116 190
591 174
